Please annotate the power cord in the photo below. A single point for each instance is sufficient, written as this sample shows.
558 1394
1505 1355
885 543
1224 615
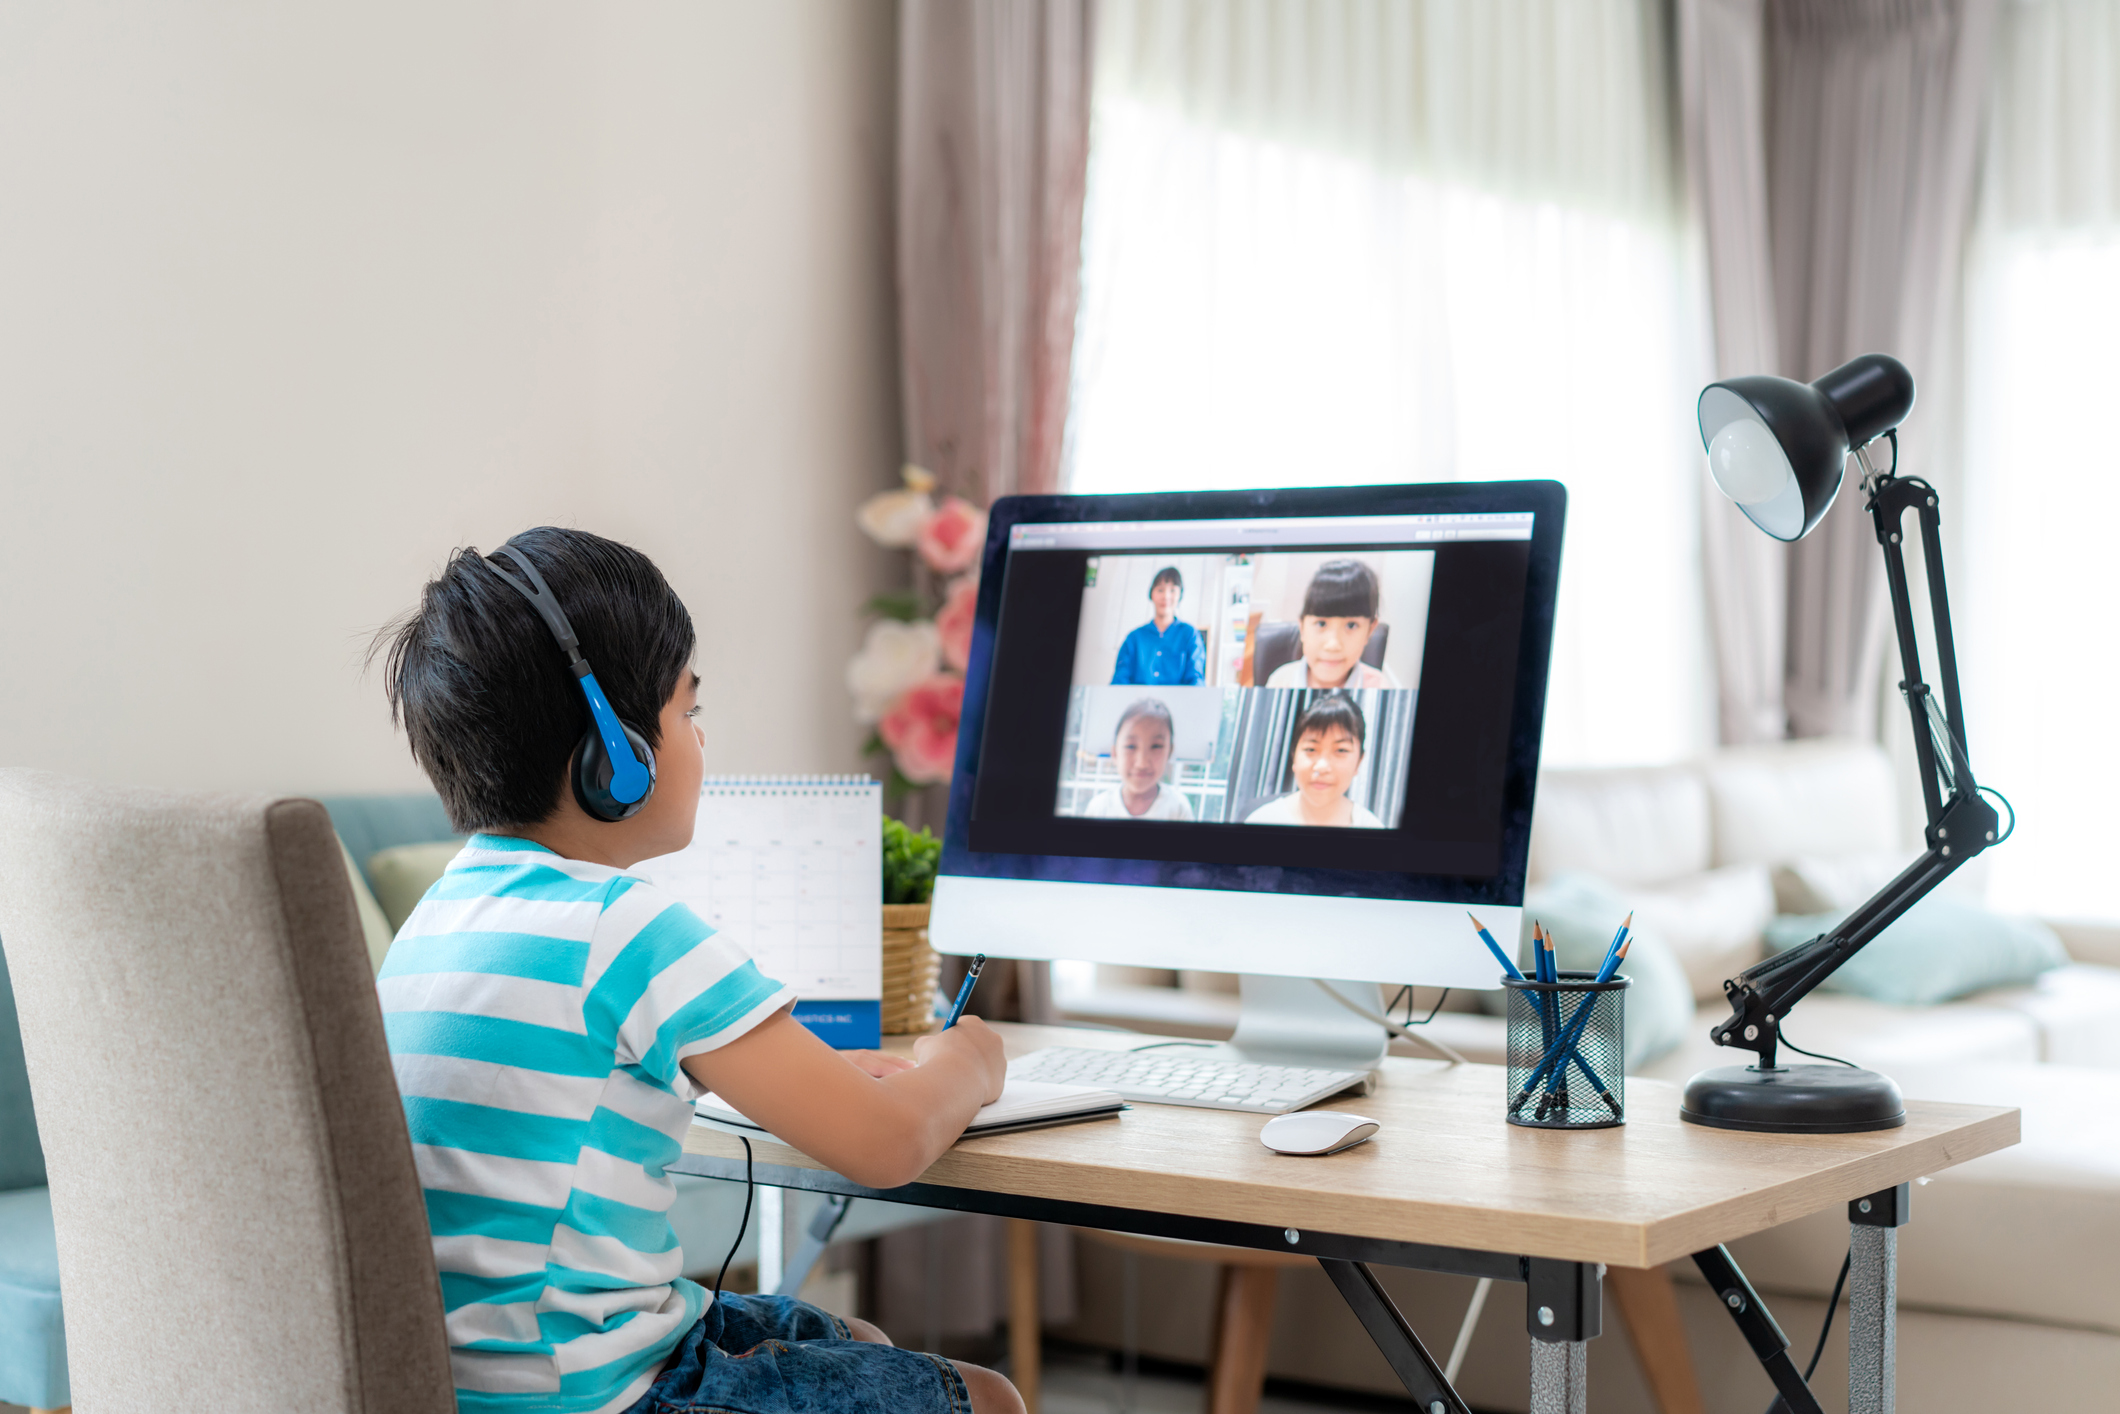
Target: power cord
1815 1055
1394 1028
1825 1328
1990 790
743 1226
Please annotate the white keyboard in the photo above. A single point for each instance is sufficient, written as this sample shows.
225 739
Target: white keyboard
1186 1075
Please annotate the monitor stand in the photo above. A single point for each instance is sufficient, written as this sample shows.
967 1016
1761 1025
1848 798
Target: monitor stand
1290 1021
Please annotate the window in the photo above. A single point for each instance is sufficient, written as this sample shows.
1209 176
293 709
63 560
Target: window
1414 243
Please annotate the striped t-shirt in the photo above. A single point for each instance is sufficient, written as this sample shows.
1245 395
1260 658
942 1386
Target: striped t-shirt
537 1009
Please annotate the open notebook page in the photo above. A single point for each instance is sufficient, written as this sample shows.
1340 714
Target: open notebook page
1022 1102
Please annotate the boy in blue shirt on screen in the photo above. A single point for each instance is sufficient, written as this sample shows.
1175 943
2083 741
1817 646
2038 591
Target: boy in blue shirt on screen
1166 651
552 1018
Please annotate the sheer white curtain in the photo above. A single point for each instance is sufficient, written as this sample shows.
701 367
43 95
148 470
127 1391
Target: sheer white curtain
1346 243
2041 606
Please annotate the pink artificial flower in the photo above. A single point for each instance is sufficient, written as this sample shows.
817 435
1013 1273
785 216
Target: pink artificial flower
953 621
921 728
953 536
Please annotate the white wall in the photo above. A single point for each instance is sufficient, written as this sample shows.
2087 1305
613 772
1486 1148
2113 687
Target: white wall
295 297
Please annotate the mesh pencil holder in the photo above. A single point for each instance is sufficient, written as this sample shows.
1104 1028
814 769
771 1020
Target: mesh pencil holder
1579 1085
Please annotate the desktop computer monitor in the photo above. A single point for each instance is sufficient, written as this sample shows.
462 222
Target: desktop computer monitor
1279 733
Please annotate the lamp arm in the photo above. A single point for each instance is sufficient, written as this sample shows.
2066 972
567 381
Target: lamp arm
1960 823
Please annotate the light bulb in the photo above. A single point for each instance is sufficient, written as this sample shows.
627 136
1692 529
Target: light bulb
1747 463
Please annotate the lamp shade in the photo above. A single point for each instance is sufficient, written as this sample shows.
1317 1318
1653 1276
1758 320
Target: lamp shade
1777 446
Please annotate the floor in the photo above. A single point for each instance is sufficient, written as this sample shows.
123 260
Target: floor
1082 1381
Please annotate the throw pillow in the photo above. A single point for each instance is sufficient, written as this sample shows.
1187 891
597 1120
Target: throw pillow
1713 922
405 872
1581 911
1939 949
375 927
1841 883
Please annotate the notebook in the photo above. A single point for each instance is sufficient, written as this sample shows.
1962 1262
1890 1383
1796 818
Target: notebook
791 867
1024 1104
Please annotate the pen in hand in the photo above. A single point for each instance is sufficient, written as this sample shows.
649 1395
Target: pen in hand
964 993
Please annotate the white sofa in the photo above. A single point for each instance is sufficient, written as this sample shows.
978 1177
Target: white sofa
2010 1270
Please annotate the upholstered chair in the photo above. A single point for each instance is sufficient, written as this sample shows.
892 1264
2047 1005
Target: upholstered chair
239 1224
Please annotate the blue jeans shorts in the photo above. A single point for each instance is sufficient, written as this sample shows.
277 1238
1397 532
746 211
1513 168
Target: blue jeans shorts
777 1355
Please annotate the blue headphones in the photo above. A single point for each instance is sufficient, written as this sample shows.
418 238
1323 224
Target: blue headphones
614 767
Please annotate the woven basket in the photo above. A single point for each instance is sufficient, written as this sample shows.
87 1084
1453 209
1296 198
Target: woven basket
909 971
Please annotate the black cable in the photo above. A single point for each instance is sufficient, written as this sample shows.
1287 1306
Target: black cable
742 1226
1990 790
1780 1405
1831 1306
1816 1055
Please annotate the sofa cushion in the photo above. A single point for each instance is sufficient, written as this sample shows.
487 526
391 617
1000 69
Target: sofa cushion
1873 1034
22 1156
2025 1234
1938 950
32 1333
1628 826
2076 1010
1792 800
1842 883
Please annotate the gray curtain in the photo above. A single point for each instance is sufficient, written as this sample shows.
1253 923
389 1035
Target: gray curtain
1833 146
993 153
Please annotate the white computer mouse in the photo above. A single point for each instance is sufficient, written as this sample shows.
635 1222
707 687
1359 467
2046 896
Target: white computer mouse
1316 1132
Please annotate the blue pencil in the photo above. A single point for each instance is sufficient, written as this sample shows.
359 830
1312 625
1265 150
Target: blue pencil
1509 968
1612 949
964 993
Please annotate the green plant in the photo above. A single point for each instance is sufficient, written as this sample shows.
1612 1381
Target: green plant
909 862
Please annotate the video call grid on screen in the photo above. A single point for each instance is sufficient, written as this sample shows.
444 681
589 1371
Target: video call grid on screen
1168 682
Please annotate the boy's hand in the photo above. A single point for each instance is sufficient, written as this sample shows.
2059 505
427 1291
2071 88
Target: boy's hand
879 1063
971 1040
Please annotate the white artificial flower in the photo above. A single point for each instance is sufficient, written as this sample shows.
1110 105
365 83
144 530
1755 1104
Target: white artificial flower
895 518
893 657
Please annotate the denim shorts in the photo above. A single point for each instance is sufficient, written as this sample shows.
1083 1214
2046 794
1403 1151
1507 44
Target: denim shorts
777 1355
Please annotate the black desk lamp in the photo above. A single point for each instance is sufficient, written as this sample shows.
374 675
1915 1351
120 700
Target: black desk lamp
1777 448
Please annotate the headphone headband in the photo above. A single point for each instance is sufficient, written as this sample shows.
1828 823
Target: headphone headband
541 599
614 767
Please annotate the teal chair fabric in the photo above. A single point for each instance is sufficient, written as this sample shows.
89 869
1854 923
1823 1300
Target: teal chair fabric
32 1332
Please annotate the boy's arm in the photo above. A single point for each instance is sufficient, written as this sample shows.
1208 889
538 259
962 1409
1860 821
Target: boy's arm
879 1132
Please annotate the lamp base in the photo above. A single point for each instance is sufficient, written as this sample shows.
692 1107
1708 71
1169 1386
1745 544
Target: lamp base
1793 1099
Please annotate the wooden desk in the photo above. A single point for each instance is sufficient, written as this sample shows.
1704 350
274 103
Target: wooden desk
1445 1186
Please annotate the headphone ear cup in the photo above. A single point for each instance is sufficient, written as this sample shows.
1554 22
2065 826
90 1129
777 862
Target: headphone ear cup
591 776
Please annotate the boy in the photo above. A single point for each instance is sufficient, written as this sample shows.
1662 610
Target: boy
1339 617
1166 651
552 1019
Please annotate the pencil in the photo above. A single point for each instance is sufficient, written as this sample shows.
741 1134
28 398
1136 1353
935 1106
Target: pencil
1509 968
964 993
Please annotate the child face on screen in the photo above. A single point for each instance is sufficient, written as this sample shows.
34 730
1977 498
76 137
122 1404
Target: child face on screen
1325 763
1332 647
1141 752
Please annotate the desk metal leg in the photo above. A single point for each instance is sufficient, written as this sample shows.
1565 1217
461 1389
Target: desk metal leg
1560 1376
1873 1299
1564 1311
1409 1359
819 1237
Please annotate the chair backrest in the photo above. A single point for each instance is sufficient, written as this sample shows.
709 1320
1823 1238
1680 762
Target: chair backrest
1281 642
239 1220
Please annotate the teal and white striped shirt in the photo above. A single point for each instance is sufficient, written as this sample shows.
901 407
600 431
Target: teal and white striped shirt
537 1009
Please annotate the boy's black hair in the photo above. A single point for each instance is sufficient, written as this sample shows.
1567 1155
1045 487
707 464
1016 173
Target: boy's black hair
1342 589
483 689
1146 707
1333 710
1169 573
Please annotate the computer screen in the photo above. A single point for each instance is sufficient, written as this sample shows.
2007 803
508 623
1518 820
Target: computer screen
1288 732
